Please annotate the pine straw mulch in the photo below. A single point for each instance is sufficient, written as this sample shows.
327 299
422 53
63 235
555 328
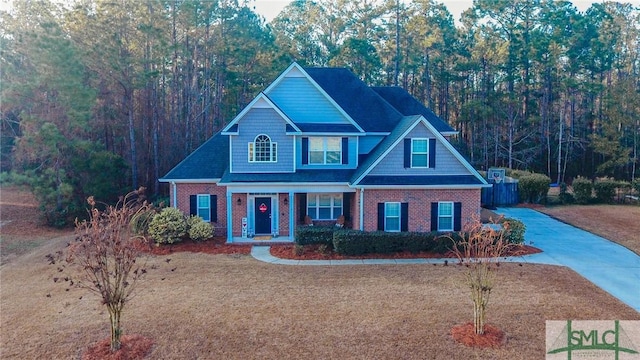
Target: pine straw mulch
492 337
316 252
132 347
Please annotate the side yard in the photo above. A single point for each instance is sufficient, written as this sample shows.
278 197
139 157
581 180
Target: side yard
617 223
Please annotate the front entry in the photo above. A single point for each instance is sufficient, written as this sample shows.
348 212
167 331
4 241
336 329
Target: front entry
262 215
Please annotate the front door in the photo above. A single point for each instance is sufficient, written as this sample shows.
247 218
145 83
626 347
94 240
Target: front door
263 215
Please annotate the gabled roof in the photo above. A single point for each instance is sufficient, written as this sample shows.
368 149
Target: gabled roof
364 105
392 140
400 99
207 162
232 128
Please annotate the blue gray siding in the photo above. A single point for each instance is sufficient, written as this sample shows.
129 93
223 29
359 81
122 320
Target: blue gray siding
261 121
367 143
303 103
446 162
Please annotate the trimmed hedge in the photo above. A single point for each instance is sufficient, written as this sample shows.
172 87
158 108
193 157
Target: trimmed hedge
533 187
307 235
605 189
354 242
582 189
515 231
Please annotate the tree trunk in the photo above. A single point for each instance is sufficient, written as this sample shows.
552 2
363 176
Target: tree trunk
116 331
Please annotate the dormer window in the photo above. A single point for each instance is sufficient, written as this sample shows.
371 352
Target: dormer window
262 149
325 150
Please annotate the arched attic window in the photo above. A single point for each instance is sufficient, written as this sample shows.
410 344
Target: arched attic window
262 149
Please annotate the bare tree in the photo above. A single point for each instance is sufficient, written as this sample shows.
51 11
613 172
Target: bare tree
105 255
480 251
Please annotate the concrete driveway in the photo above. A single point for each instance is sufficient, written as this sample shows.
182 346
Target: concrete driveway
608 265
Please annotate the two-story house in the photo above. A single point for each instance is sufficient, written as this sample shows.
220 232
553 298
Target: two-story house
319 144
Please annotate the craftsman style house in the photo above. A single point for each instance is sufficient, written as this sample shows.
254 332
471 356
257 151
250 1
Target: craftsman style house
320 146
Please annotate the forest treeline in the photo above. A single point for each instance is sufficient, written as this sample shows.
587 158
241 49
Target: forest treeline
100 96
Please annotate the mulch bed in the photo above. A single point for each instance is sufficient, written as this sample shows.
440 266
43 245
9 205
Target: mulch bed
132 347
314 252
216 245
465 334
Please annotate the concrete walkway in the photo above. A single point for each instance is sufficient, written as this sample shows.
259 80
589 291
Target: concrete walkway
608 265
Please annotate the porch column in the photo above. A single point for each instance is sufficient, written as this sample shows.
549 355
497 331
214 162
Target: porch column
361 209
292 215
229 217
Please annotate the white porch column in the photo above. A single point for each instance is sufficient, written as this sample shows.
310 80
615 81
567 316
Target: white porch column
361 209
229 217
292 215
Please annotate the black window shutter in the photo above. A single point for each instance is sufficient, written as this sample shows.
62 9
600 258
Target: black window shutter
407 153
457 216
404 217
346 205
434 216
345 150
213 210
432 153
305 151
193 204
381 216
302 210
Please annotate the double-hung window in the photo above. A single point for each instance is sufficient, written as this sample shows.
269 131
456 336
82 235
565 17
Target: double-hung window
325 150
204 207
419 153
445 216
324 206
262 149
392 216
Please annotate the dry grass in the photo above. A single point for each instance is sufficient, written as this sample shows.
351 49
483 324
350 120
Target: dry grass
618 223
234 307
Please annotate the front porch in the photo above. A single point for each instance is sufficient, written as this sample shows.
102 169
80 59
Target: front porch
271 217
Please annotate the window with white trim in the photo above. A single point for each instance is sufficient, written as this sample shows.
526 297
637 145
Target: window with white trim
324 206
325 150
204 207
392 216
419 153
445 216
262 149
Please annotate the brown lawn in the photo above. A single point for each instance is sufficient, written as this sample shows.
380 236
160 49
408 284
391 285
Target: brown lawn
196 305
614 222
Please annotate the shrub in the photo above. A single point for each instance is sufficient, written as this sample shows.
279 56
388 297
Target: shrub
198 229
605 189
353 242
140 221
517 174
564 196
582 189
636 186
533 187
514 231
168 227
307 235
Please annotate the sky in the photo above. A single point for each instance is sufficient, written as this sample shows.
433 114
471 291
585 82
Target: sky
270 8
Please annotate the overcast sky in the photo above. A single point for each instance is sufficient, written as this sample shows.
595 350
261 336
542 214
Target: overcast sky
270 8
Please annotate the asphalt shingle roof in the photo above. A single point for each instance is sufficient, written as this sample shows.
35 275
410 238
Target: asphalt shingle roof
364 105
300 176
406 104
209 161
427 180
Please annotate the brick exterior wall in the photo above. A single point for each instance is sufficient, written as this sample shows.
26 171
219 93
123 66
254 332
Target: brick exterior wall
185 190
419 205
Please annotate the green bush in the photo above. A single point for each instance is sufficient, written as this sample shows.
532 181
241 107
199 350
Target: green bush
168 227
140 222
307 235
582 189
198 229
533 187
605 189
353 242
636 186
517 174
564 196
514 231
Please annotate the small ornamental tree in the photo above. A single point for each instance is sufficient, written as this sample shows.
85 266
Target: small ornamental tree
480 251
105 254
